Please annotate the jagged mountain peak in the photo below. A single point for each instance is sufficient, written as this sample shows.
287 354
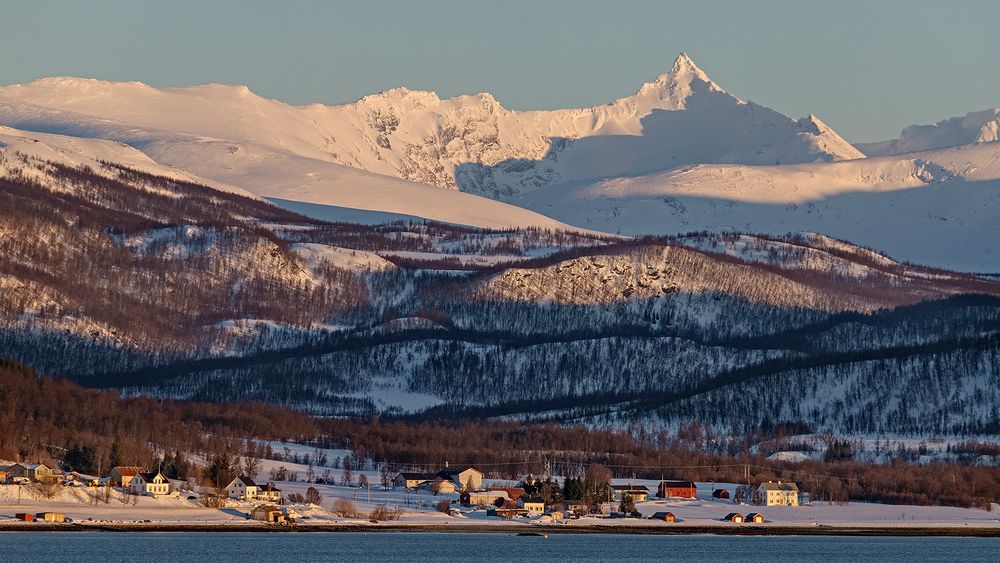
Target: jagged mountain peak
672 88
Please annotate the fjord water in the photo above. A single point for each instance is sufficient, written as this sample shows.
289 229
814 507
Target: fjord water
128 547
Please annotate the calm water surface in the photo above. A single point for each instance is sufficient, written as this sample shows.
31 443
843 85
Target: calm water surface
430 547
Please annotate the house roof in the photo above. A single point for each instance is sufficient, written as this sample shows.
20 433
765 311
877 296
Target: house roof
127 470
539 500
732 515
248 482
418 476
150 476
779 486
270 487
677 484
662 514
754 514
458 469
640 488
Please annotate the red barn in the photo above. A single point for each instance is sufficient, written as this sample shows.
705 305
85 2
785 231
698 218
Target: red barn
682 489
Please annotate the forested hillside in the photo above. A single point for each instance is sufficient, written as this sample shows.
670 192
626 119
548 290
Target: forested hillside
161 286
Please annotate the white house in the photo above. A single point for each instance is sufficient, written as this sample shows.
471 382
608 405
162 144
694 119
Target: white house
150 484
242 488
269 492
778 494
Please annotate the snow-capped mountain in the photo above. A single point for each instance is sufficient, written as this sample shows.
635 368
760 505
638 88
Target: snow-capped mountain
973 127
936 207
679 155
467 142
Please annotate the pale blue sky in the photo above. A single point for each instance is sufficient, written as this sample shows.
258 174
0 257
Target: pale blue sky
867 68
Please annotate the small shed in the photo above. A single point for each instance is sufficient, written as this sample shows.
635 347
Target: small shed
268 513
27 517
665 516
720 493
735 517
755 517
50 517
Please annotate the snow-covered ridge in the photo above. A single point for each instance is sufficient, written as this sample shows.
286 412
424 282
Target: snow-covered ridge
471 142
973 127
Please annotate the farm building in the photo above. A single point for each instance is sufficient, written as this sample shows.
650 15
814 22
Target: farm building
412 480
513 493
681 489
33 471
268 513
573 507
50 517
638 493
483 498
463 477
665 516
534 505
720 493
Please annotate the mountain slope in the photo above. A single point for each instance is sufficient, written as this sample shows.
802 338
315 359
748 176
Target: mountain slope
936 207
469 142
315 187
973 127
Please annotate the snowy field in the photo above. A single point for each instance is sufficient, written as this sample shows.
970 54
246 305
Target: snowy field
420 508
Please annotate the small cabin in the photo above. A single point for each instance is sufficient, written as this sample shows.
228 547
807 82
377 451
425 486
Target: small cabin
50 517
26 516
735 517
268 513
755 517
720 493
665 516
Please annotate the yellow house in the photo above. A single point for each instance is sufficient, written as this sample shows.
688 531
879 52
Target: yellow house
778 494
534 505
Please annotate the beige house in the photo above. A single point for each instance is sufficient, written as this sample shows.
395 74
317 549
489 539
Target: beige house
33 471
534 505
484 498
242 488
150 484
778 494
412 480
464 477
438 486
124 474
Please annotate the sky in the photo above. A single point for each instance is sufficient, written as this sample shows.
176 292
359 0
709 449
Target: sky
866 68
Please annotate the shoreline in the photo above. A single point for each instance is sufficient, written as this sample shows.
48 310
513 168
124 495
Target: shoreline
745 530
